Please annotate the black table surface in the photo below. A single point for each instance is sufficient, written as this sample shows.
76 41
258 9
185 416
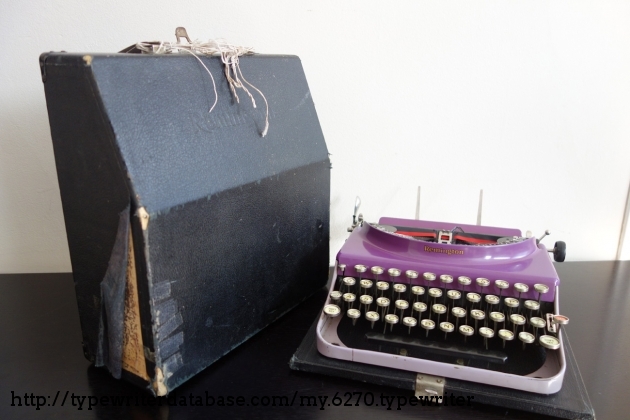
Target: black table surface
41 355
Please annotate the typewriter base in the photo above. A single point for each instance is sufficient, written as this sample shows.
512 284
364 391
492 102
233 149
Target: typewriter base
571 402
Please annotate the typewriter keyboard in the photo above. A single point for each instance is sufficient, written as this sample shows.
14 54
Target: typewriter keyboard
433 316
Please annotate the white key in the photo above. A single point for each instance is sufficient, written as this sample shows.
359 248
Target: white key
366 285
497 317
332 311
409 322
550 342
367 301
511 302
372 316
506 335
447 327
486 333
382 287
446 279
521 288
439 309
401 305
417 291
349 298
382 303
464 281
473 298
502 285
353 314
428 325
348 282
411 274
482 282
335 296
419 307
477 315
377 271
541 289
399 288
390 319
466 331
526 338
537 323
429 277
394 273
517 320
342 267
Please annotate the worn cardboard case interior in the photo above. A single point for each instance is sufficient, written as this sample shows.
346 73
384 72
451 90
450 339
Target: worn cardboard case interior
188 232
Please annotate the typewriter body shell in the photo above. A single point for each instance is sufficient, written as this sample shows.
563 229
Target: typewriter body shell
522 260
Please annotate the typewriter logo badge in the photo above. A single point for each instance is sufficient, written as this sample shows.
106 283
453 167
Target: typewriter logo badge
428 248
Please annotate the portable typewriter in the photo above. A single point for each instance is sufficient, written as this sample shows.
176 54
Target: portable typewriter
470 302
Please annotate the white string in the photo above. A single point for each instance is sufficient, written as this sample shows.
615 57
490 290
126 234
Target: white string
229 57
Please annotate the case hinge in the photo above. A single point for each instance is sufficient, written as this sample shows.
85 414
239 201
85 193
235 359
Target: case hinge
429 386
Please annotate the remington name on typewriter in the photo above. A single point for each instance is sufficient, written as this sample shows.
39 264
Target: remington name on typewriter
470 302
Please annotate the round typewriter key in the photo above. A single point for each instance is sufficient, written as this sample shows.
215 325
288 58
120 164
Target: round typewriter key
382 287
409 322
411 275
491 301
466 331
428 325
526 338
550 342
501 284
532 305
511 303
445 279
435 293
438 309
348 282
464 281
458 313
372 316
366 285
517 320
360 269
521 288
419 307
335 296
453 295
342 267
541 289
399 288
486 333
390 319
505 335
393 273
367 301
537 323
417 291
482 282
477 315
349 298
382 303
353 314
447 327
429 278
473 298
401 305
377 271
332 311
497 317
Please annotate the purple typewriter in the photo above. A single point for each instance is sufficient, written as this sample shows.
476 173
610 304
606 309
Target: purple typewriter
470 302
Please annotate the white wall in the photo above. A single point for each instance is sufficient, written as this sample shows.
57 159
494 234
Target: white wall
528 100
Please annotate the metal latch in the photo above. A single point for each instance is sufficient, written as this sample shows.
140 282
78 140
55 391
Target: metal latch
430 386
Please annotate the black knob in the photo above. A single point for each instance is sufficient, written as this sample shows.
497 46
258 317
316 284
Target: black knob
559 251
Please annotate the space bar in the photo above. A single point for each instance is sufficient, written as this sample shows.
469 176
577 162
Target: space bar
436 347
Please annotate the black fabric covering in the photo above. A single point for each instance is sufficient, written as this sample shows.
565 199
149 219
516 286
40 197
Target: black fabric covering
571 402
238 224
